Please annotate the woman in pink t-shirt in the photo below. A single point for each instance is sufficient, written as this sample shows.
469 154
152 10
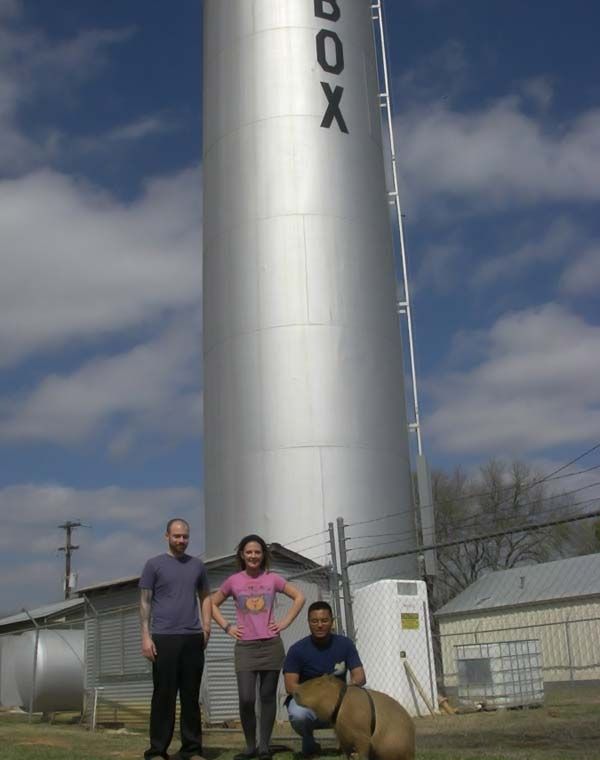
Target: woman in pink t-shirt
258 648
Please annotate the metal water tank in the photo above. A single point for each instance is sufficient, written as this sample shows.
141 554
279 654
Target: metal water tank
49 668
304 409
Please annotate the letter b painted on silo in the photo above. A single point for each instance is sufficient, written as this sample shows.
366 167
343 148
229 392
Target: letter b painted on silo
332 14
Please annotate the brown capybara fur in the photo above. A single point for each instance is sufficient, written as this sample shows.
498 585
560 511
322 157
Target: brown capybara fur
394 736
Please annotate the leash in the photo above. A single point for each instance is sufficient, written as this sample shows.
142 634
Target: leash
336 709
338 705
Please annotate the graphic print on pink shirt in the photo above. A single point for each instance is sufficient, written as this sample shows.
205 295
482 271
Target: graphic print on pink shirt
254 601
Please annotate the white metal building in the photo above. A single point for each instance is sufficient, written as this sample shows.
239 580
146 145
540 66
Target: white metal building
557 603
122 678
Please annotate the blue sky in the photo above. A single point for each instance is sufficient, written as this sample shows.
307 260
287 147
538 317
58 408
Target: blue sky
498 132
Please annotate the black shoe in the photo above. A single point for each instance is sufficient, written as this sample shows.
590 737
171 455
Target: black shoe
247 755
314 751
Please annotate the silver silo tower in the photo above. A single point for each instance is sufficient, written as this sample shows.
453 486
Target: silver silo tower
304 408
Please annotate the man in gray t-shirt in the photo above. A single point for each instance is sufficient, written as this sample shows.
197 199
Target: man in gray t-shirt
171 585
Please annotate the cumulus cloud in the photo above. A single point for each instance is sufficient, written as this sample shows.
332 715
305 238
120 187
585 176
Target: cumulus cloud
560 240
498 156
438 267
582 276
80 267
539 90
153 386
32 64
533 386
126 527
77 264
135 130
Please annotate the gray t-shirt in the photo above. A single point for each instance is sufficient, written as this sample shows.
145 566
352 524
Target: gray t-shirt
174 583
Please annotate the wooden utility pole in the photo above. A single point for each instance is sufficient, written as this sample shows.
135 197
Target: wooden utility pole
68 549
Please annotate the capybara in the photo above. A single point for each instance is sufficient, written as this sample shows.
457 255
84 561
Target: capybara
367 722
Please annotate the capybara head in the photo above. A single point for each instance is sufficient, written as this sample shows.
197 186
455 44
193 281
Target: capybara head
319 694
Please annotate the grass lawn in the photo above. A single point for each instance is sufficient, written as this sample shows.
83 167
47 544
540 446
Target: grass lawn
565 729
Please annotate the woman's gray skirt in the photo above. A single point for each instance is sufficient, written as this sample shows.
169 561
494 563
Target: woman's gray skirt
260 654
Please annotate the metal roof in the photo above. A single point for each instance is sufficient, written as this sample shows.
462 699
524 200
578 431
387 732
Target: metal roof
531 584
275 548
48 610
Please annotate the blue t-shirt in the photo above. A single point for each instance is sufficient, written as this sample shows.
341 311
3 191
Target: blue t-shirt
174 582
336 656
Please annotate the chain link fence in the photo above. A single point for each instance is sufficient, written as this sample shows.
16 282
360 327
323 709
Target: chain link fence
478 658
511 656
91 664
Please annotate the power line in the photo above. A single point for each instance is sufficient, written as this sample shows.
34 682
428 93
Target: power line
467 539
568 464
305 538
482 537
474 518
475 494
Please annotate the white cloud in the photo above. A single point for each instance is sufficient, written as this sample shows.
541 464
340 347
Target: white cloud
535 386
540 90
154 386
561 239
498 156
41 506
77 265
147 125
9 8
438 268
31 64
582 276
123 135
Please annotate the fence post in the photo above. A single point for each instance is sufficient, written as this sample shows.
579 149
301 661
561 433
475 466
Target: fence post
345 578
334 579
569 651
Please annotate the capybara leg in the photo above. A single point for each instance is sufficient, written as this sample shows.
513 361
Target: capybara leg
362 747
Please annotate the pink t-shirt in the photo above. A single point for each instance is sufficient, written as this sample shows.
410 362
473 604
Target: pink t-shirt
254 599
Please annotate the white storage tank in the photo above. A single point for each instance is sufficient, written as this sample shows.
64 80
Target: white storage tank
9 693
392 632
50 670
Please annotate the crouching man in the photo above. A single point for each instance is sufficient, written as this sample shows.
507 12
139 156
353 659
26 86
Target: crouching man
321 653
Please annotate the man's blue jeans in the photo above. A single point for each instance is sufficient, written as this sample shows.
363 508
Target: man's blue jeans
304 721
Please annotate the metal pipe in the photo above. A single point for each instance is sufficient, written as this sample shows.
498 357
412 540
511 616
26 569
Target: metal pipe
395 194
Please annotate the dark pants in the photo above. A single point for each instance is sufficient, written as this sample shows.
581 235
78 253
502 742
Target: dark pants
177 668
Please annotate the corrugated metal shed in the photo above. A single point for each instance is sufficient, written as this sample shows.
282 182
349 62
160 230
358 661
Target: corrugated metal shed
123 678
556 603
564 579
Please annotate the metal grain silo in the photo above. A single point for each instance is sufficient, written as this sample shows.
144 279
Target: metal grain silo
304 408
49 670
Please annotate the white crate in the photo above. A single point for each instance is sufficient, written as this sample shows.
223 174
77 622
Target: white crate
503 674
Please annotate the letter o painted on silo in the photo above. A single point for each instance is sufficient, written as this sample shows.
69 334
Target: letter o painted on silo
338 65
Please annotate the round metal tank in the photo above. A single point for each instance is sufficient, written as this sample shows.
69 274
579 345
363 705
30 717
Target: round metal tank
304 408
55 677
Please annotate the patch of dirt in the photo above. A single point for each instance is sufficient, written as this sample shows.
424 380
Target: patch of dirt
45 742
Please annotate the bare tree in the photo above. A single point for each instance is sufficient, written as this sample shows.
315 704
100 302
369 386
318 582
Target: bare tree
500 497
